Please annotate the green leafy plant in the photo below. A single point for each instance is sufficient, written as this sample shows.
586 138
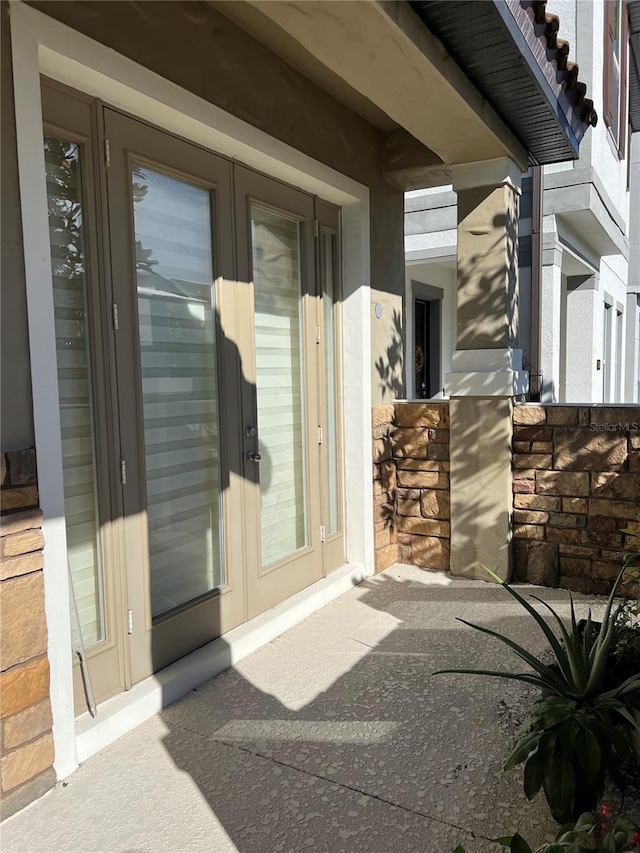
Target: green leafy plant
569 749
598 831
514 843
579 733
593 831
626 642
625 651
631 559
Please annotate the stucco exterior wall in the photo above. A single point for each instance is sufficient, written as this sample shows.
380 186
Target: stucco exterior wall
16 424
597 149
634 215
613 287
591 204
632 356
196 47
587 231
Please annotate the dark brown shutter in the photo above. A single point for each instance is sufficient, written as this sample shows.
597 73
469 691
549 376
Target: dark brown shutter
624 98
609 23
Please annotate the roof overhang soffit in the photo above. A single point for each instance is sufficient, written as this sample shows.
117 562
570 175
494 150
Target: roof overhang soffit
511 51
384 52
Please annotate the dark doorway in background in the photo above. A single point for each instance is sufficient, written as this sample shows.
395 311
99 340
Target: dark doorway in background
422 313
425 371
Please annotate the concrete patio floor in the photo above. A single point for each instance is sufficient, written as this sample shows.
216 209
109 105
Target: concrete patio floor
334 737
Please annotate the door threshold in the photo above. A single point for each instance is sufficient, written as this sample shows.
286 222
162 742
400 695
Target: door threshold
124 712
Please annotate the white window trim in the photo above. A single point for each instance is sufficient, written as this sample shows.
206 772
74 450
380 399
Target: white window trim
42 45
614 128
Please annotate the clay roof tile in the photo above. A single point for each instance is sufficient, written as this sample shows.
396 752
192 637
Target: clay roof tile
557 50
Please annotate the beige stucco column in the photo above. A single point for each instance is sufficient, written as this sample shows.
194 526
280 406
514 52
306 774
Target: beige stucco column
487 367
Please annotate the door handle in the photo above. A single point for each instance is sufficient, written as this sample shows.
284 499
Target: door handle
252 456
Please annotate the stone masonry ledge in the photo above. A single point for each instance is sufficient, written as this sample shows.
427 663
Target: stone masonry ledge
334 737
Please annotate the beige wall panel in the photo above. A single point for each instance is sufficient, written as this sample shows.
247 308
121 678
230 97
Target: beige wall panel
480 449
487 316
16 426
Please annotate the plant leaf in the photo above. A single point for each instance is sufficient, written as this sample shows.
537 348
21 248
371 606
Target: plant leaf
601 649
522 653
519 845
629 686
565 655
496 577
560 785
522 749
568 734
627 715
551 637
588 752
585 822
620 741
527 677
533 775
588 637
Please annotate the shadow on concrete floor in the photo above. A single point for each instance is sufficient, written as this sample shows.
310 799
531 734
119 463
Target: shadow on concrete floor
334 737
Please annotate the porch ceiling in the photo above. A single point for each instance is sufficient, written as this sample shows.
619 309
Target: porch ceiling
381 60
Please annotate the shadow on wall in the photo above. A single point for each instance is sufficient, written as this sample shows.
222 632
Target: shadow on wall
487 297
481 429
389 368
481 432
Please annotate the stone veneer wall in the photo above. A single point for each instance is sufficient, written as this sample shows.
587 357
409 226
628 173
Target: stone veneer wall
26 741
411 484
576 482
384 488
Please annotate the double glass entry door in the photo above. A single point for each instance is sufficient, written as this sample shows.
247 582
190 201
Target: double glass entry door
196 319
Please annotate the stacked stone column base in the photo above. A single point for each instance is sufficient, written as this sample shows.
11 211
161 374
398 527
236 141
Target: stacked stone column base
26 740
411 485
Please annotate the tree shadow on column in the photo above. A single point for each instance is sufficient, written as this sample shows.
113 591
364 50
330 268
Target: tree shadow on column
389 368
481 425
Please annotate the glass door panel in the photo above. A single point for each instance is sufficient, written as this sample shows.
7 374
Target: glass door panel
192 388
276 293
75 391
176 323
170 217
85 374
276 256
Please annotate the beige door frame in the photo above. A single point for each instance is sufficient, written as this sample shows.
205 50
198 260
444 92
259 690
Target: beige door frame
154 643
72 117
268 585
129 656
328 222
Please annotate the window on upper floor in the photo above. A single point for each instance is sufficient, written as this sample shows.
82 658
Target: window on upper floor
616 39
